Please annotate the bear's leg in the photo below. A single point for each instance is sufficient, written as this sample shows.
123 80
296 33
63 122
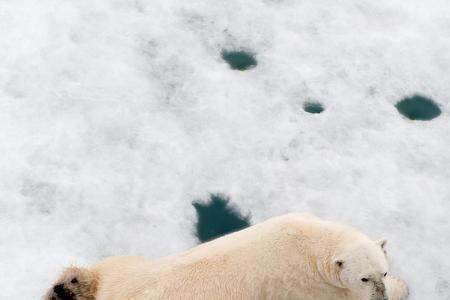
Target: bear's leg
396 288
74 284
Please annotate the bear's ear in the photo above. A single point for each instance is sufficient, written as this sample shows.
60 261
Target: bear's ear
339 263
382 243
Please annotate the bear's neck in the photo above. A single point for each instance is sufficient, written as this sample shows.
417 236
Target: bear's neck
315 248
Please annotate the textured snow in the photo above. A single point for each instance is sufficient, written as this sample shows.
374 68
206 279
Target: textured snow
115 115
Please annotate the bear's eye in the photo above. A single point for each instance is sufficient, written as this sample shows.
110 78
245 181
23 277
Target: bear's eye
385 274
364 279
75 280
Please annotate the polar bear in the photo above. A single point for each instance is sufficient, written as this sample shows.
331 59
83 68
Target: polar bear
288 257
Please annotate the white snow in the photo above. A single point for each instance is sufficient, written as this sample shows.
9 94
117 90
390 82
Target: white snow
115 115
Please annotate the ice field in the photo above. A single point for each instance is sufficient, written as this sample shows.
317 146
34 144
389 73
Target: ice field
116 115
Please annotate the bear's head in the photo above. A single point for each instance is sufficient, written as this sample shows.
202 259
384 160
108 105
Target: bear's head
74 284
362 267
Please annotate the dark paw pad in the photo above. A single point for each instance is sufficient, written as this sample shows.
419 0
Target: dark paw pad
62 293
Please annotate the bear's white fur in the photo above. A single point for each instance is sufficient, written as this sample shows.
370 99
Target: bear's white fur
289 257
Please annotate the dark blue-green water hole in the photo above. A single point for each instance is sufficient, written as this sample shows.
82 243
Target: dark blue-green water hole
313 107
239 60
217 217
418 107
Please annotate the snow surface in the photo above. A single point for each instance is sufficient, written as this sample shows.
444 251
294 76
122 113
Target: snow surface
115 115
